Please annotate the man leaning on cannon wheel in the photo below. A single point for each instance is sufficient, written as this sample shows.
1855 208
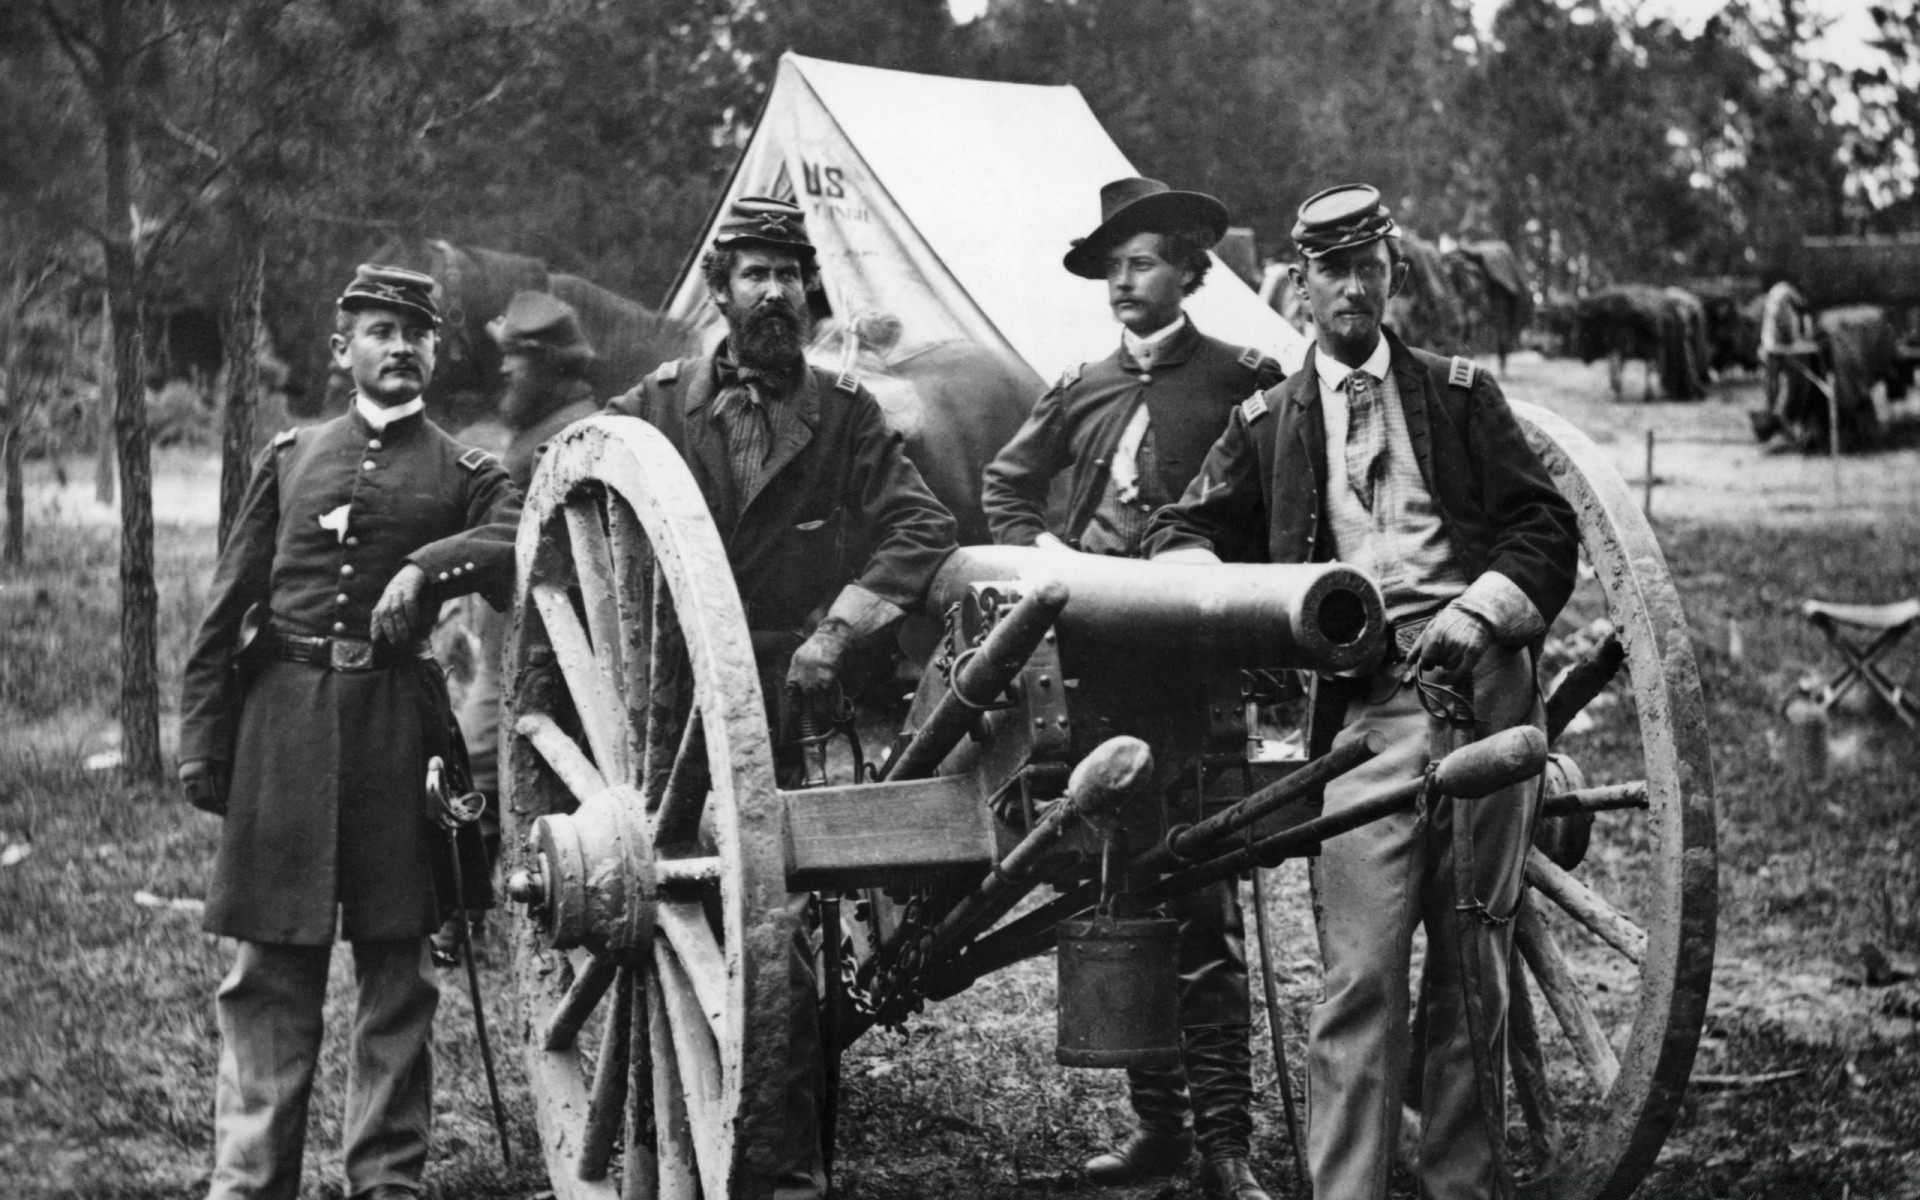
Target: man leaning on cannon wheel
1411 467
819 509
1132 429
310 707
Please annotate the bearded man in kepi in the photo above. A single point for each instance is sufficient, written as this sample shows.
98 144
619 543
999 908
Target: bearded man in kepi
1130 430
310 708
1411 467
822 516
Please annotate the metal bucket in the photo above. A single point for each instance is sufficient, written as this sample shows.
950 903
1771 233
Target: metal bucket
1119 997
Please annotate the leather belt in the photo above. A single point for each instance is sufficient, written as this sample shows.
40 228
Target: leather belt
345 654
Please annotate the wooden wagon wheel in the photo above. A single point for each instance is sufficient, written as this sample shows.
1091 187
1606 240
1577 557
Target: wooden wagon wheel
1617 934
640 799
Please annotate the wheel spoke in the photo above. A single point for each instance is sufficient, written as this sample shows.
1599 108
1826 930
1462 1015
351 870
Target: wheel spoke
640 1174
563 754
1586 906
632 556
1529 1065
700 957
673 1133
589 984
669 697
1582 682
1569 1004
677 820
609 1095
593 568
587 679
698 1058
1607 798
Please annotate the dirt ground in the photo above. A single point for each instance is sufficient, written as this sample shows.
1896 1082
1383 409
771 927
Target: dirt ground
1748 534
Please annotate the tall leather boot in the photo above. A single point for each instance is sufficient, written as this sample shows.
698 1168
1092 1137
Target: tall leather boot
1161 1144
1220 1074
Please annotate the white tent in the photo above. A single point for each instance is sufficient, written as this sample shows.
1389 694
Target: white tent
949 203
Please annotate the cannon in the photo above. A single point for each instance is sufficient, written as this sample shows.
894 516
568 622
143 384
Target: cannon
1091 725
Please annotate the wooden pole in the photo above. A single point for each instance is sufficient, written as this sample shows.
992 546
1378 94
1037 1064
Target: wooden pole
1647 503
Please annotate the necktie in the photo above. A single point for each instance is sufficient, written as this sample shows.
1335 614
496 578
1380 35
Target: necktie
1366 435
741 410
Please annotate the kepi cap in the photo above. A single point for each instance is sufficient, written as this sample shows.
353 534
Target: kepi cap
541 325
376 286
1341 217
764 221
1139 205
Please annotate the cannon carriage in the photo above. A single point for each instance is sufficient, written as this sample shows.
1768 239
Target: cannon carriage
1091 725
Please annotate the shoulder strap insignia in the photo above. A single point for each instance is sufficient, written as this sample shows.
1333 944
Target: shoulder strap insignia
285 438
1071 375
476 458
848 380
667 372
1254 407
1460 372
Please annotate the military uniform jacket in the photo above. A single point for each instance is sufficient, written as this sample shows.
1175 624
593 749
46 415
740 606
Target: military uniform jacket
327 799
523 452
1261 494
1194 386
838 502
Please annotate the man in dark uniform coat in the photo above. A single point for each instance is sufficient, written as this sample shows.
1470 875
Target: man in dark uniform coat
310 707
818 507
1132 429
1411 467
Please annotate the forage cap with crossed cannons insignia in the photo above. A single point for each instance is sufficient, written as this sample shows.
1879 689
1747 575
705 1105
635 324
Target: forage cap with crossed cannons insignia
397 288
1342 217
764 221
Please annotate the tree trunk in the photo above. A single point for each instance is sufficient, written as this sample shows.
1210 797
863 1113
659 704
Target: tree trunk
242 350
103 412
16 551
139 600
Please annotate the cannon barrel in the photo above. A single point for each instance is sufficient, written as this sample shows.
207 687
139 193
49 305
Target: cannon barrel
1319 616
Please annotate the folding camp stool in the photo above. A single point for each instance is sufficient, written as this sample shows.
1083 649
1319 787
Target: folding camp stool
1888 623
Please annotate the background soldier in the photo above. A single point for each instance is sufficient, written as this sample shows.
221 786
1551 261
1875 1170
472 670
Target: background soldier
315 746
1413 469
818 507
544 361
1132 429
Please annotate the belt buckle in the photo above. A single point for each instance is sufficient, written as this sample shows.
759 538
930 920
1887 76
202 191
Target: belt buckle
350 654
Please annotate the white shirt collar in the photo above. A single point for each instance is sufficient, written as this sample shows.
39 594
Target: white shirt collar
1333 372
379 417
1144 348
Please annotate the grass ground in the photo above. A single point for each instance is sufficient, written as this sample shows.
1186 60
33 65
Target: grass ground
107 1042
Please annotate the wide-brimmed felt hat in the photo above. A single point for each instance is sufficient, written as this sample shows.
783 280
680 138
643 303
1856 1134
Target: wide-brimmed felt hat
1342 217
541 325
1138 205
376 286
764 221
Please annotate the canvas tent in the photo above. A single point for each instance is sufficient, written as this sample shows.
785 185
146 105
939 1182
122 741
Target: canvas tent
948 204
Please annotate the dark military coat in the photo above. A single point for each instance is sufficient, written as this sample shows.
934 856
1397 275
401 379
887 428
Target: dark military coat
327 801
838 502
523 452
1261 494
1192 389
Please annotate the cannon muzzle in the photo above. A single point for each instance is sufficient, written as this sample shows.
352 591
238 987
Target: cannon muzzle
1319 616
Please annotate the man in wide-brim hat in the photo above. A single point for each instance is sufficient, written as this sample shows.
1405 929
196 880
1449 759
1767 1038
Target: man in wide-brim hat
1411 467
1131 429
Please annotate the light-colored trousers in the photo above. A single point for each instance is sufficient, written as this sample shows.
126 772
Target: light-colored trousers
1372 888
269 1010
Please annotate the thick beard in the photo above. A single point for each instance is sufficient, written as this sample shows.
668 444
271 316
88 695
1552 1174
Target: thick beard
771 338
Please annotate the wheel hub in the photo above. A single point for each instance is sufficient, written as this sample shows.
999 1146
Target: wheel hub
591 881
